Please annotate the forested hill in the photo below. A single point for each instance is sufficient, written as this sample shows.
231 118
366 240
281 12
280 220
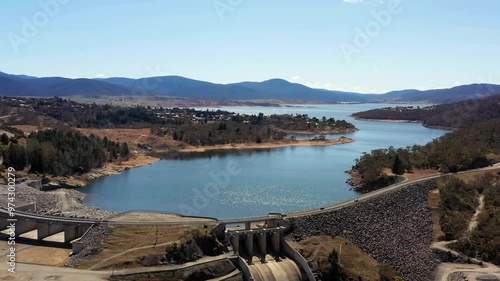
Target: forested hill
59 152
453 116
474 144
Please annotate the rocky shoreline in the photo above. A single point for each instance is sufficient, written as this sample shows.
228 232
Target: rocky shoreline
60 202
111 168
395 228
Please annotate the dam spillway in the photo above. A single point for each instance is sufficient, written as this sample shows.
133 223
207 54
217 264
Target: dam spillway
272 270
263 254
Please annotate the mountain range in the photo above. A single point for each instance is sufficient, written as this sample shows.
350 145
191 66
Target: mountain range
177 86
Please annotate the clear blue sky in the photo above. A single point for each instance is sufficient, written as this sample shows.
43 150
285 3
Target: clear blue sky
427 44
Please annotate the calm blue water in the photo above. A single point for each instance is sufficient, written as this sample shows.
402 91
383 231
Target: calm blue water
249 183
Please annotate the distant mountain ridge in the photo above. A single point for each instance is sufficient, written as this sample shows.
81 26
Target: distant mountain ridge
178 86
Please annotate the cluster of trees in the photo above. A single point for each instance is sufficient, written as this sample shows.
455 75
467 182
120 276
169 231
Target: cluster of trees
93 115
252 129
224 133
458 203
60 152
370 167
455 115
464 149
302 122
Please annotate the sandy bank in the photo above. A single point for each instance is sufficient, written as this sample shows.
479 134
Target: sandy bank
110 168
270 145
322 132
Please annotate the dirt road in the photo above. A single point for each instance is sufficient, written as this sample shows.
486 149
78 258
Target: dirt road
445 270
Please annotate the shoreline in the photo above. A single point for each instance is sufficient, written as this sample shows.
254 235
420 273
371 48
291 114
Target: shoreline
270 145
406 121
324 132
140 160
109 169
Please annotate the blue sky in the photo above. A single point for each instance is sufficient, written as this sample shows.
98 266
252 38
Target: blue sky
413 44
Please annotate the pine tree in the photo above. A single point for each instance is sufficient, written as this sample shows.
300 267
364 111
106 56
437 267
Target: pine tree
124 150
4 139
397 167
15 156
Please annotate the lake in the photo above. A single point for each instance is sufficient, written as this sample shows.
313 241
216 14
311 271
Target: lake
233 184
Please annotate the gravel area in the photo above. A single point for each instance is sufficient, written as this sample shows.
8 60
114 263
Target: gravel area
457 276
93 244
59 202
395 228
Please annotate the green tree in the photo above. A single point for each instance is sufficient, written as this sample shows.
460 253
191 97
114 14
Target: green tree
15 156
35 155
334 271
124 150
4 139
397 166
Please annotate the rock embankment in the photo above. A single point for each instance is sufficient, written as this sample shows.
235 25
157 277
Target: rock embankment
93 244
395 228
59 202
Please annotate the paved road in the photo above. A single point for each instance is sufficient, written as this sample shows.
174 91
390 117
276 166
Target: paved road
380 192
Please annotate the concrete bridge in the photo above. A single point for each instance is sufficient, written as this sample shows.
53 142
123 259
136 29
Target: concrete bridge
41 227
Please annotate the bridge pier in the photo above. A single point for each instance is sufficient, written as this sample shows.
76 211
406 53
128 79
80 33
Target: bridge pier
72 232
275 241
262 244
249 246
235 242
48 229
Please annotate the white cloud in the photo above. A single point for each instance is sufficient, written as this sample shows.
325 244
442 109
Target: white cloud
456 83
295 78
100 75
373 2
